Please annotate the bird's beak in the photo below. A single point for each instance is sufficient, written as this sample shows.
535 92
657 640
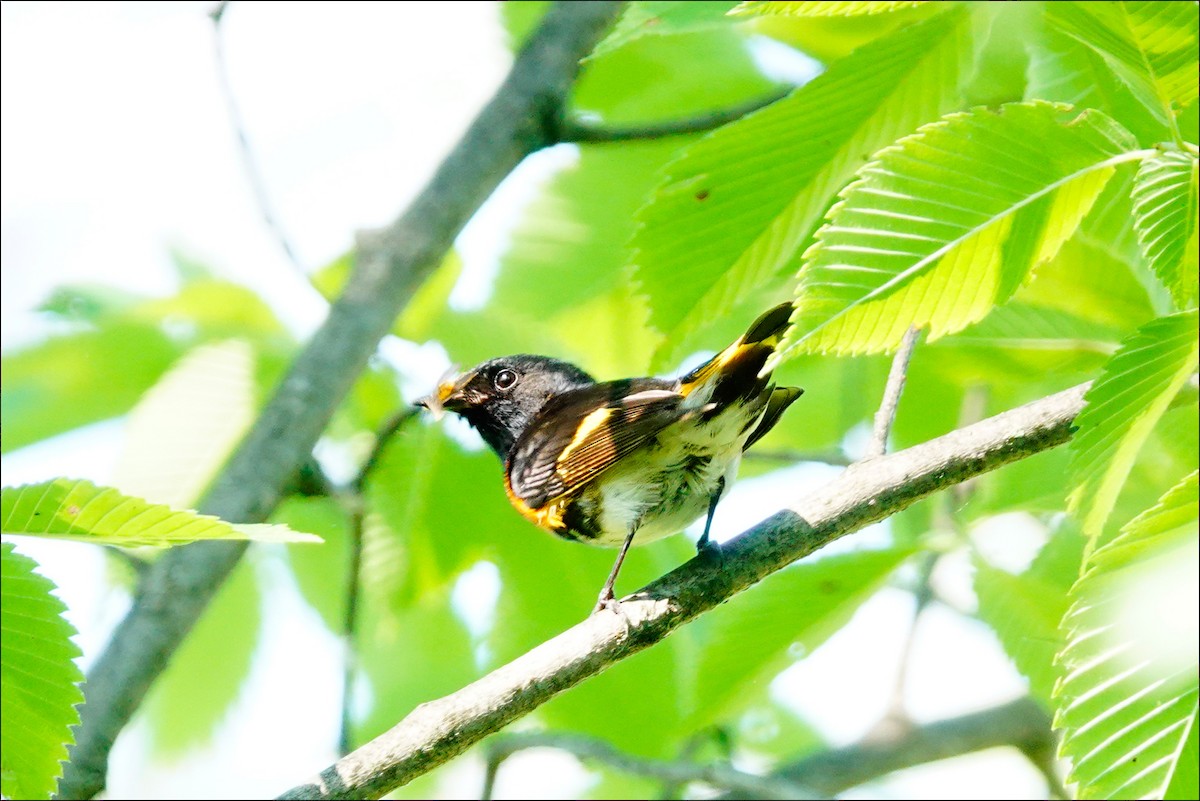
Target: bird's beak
450 395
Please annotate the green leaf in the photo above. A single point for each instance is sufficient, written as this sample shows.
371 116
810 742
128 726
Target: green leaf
205 675
39 682
397 651
85 377
1025 614
1152 46
1000 72
1185 778
1037 485
71 509
70 381
1025 611
822 9
520 20
548 584
1025 326
321 570
412 547
89 303
747 641
1165 210
1127 697
184 428
727 220
949 222
1062 69
659 678
1089 282
650 18
1122 408
218 310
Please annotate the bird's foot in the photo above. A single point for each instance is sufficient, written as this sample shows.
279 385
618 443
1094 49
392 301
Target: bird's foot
710 550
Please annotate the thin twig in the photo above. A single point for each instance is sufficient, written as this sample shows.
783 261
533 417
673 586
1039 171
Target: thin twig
382 437
389 266
254 175
896 717
891 395
1021 723
860 495
581 132
592 749
795 457
356 505
350 623
672 790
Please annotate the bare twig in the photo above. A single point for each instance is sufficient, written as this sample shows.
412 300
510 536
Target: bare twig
795 457
581 132
891 395
864 493
592 749
390 264
672 790
249 163
1022 724
355 504
896 719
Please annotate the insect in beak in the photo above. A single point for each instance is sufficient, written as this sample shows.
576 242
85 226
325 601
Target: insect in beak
448 396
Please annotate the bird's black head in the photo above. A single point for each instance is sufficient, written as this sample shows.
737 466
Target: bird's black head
500 397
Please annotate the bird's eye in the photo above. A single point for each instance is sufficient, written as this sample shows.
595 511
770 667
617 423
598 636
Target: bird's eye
505 379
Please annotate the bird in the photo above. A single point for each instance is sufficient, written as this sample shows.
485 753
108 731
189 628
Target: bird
605 462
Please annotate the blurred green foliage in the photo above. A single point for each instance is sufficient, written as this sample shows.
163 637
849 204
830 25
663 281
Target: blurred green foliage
1018 178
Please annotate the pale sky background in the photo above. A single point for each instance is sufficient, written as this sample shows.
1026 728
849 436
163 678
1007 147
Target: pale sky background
117 147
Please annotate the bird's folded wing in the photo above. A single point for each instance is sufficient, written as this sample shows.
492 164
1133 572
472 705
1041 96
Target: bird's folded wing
582 433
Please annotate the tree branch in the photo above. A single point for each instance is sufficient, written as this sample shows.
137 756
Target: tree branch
676 772
581 132
1020 723
864 493
390 264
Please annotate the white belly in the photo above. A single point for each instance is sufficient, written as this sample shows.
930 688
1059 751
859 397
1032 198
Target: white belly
662 490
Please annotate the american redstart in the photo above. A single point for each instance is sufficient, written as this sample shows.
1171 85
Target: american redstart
603 462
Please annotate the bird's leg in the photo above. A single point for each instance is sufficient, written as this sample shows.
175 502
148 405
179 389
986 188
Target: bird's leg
606 599
705 546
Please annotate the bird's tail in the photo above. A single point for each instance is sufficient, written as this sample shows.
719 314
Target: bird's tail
735 370
733 377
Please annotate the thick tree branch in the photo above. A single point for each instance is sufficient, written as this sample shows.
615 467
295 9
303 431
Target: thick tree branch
581 132
390 264
864 493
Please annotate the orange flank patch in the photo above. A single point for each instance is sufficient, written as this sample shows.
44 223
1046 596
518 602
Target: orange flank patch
549 517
